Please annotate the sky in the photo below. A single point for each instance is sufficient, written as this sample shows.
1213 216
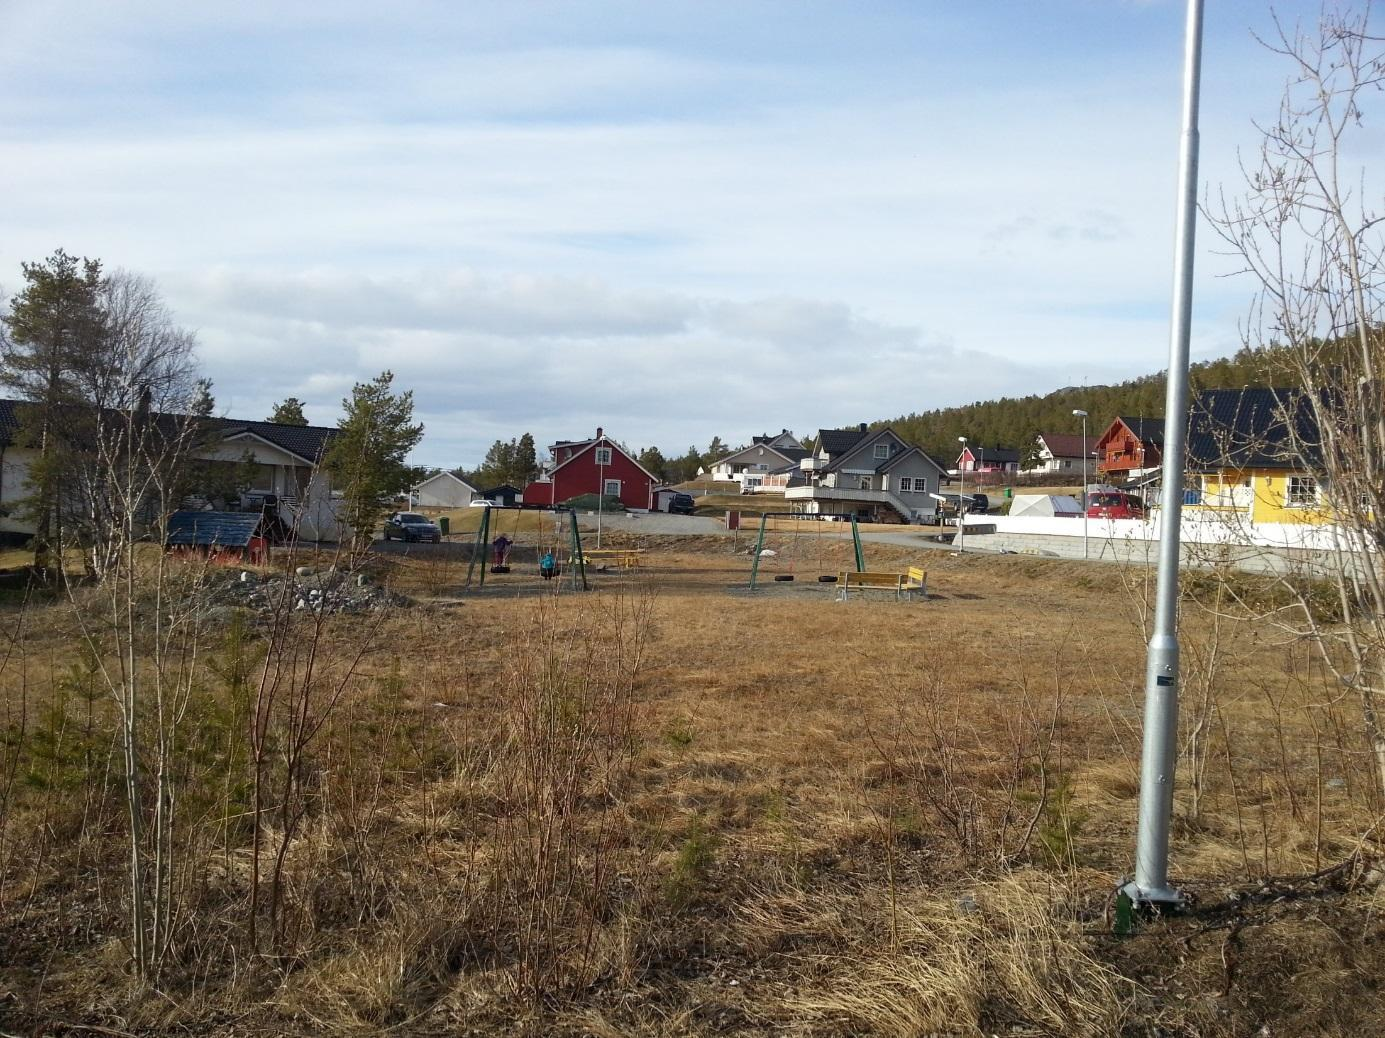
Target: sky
671 219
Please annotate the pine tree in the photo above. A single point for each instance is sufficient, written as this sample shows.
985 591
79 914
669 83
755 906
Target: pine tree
288 412
366 459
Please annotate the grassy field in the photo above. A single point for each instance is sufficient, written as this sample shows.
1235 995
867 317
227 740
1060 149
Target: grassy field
673 807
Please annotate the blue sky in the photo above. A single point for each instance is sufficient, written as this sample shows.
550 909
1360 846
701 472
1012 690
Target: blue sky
671 219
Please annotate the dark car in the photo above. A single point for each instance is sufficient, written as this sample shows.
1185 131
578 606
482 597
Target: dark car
682 504
410 526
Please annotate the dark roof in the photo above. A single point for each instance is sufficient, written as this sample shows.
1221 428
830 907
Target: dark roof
1068 445
839 441
1149 430
1251 428
794 454
504 488
981 452
308 442
212 529
304 441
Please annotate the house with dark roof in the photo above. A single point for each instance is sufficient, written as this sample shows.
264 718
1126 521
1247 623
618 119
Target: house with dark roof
1253 452
282 465
766 454
1130 448
872 474
982 460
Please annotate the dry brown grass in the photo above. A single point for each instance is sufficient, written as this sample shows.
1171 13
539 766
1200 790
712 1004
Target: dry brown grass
666 809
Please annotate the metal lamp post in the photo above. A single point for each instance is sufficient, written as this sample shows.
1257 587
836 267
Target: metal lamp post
600 494
1083 415
1159 753
962 499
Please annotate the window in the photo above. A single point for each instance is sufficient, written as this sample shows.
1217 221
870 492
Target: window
612 488
906 484
882 452
864 484
603 455
1303 491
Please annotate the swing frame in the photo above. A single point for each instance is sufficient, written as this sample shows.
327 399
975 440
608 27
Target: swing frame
805 517
480 552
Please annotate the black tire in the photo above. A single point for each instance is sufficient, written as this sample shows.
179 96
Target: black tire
784 578
827 578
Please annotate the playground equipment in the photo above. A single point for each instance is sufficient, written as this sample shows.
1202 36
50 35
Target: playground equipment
563 546
793 546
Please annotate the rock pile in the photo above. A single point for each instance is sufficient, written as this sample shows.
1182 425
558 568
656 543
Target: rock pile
327 591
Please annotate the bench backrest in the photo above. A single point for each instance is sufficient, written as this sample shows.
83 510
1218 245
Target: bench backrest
918 576
882 580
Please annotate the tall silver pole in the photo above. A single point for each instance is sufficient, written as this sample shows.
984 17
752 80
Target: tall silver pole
1151 883
1083 495
600 495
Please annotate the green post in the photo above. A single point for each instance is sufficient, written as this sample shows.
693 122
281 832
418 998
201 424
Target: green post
856 543
759 543
478 550
576 550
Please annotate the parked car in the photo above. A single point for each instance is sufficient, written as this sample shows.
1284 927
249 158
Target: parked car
682 504
1114 504
410 526
950 504
480 502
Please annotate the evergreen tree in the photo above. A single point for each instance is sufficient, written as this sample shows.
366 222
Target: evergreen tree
54 327
526 461
653 460
288 412
203 404
366 459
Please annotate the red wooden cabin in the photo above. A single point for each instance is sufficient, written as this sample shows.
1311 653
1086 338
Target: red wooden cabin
593 466
1130 447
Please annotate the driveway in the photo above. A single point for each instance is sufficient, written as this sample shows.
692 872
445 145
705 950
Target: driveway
654 523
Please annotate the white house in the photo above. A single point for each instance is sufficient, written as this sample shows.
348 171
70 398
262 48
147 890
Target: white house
287 474
444 491
1062 452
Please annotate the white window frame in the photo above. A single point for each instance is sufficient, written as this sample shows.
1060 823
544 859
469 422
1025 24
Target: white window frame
882 447
906 484
603 455
865 483
1300 492
606 486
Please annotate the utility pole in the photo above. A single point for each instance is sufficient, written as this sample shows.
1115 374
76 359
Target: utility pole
962 499
1160 752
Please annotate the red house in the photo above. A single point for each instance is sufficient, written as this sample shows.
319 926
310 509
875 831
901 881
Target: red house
1130 447
593 466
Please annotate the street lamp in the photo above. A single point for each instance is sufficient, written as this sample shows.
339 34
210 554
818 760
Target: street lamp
1083 415
600 491
962 499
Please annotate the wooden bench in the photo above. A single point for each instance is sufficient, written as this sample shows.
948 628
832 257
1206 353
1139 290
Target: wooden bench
916 580
625 558
847 580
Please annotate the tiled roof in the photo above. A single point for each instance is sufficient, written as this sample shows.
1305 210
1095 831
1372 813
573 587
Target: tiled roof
304 441
308 442
838 441
1249 428
1149 430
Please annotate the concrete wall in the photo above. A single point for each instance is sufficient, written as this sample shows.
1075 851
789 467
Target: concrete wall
1206 540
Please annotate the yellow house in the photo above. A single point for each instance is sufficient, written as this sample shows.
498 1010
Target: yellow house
1251 451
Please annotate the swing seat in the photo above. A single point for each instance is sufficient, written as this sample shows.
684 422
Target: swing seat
500 569
827 578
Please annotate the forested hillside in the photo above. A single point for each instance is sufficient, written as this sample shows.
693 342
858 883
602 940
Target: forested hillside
1015 421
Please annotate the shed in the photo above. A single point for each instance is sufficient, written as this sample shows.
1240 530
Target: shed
663 497
505 495
234 536
1036 505
444 490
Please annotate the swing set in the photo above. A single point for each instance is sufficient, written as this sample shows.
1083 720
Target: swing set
563 548
820 520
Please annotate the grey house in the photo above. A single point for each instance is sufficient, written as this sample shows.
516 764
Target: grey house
875 476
